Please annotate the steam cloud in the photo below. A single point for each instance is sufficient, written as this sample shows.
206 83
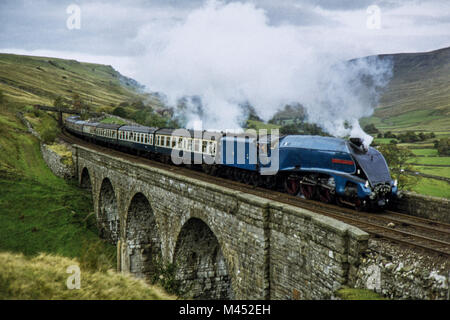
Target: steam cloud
226 55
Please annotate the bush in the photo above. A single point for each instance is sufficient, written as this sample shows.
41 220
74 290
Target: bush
409 136
443 146
120 112
49 135
96 257
396 158
2 97
389 134
371 129
289 129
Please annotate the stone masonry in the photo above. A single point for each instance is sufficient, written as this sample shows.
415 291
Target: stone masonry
224 244
425 206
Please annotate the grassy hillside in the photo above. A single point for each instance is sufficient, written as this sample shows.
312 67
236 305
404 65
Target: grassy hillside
45 277
39 212
418 96
47 222
39 80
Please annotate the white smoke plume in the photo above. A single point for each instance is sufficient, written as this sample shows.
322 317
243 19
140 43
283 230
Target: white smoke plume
229 54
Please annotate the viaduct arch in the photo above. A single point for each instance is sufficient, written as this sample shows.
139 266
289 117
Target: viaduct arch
223 244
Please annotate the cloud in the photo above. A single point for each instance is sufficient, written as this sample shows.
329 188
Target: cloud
262 51
227 55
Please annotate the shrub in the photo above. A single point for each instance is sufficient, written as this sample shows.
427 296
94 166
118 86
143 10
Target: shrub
443 147
49 135
120 112
396 158
370 128
96 257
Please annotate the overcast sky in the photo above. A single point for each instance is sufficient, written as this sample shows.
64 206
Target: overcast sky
111 31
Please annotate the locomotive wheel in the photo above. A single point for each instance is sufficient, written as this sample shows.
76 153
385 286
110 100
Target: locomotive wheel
359 205
206 169
308 191
270 182
246 177
325 195
237 175
339 202
292 186
254 179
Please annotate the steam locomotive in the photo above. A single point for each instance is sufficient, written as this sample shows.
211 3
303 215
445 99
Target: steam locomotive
327 169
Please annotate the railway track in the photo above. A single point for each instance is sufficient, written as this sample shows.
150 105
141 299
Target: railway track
415 232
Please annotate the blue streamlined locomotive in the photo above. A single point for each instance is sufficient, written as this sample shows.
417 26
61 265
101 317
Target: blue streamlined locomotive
323 168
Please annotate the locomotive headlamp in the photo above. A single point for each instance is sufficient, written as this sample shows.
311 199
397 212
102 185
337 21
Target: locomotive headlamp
395 182
367 184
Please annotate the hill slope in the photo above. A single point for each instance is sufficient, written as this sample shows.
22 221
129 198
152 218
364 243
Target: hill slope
31 80
45 277
418 96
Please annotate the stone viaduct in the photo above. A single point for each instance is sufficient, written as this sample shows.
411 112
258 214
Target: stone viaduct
222 243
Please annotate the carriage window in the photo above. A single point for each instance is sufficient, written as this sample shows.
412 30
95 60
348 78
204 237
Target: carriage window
196 145
204 146
180 143
213 148
167 141
174 142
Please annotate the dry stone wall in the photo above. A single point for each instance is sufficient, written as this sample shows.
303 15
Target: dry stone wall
425 206
400 273
55 162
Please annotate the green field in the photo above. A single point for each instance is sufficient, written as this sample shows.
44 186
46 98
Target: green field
436 171
257 125
433 187
113 121
382 140
443 161
425 152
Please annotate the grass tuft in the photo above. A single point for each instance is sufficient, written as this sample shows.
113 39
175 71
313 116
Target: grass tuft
45 277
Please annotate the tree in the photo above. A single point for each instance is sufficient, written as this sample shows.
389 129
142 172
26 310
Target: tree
59 102
289 129
389 134
396 158
370 128
120 112
443 147
422 136
76 102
